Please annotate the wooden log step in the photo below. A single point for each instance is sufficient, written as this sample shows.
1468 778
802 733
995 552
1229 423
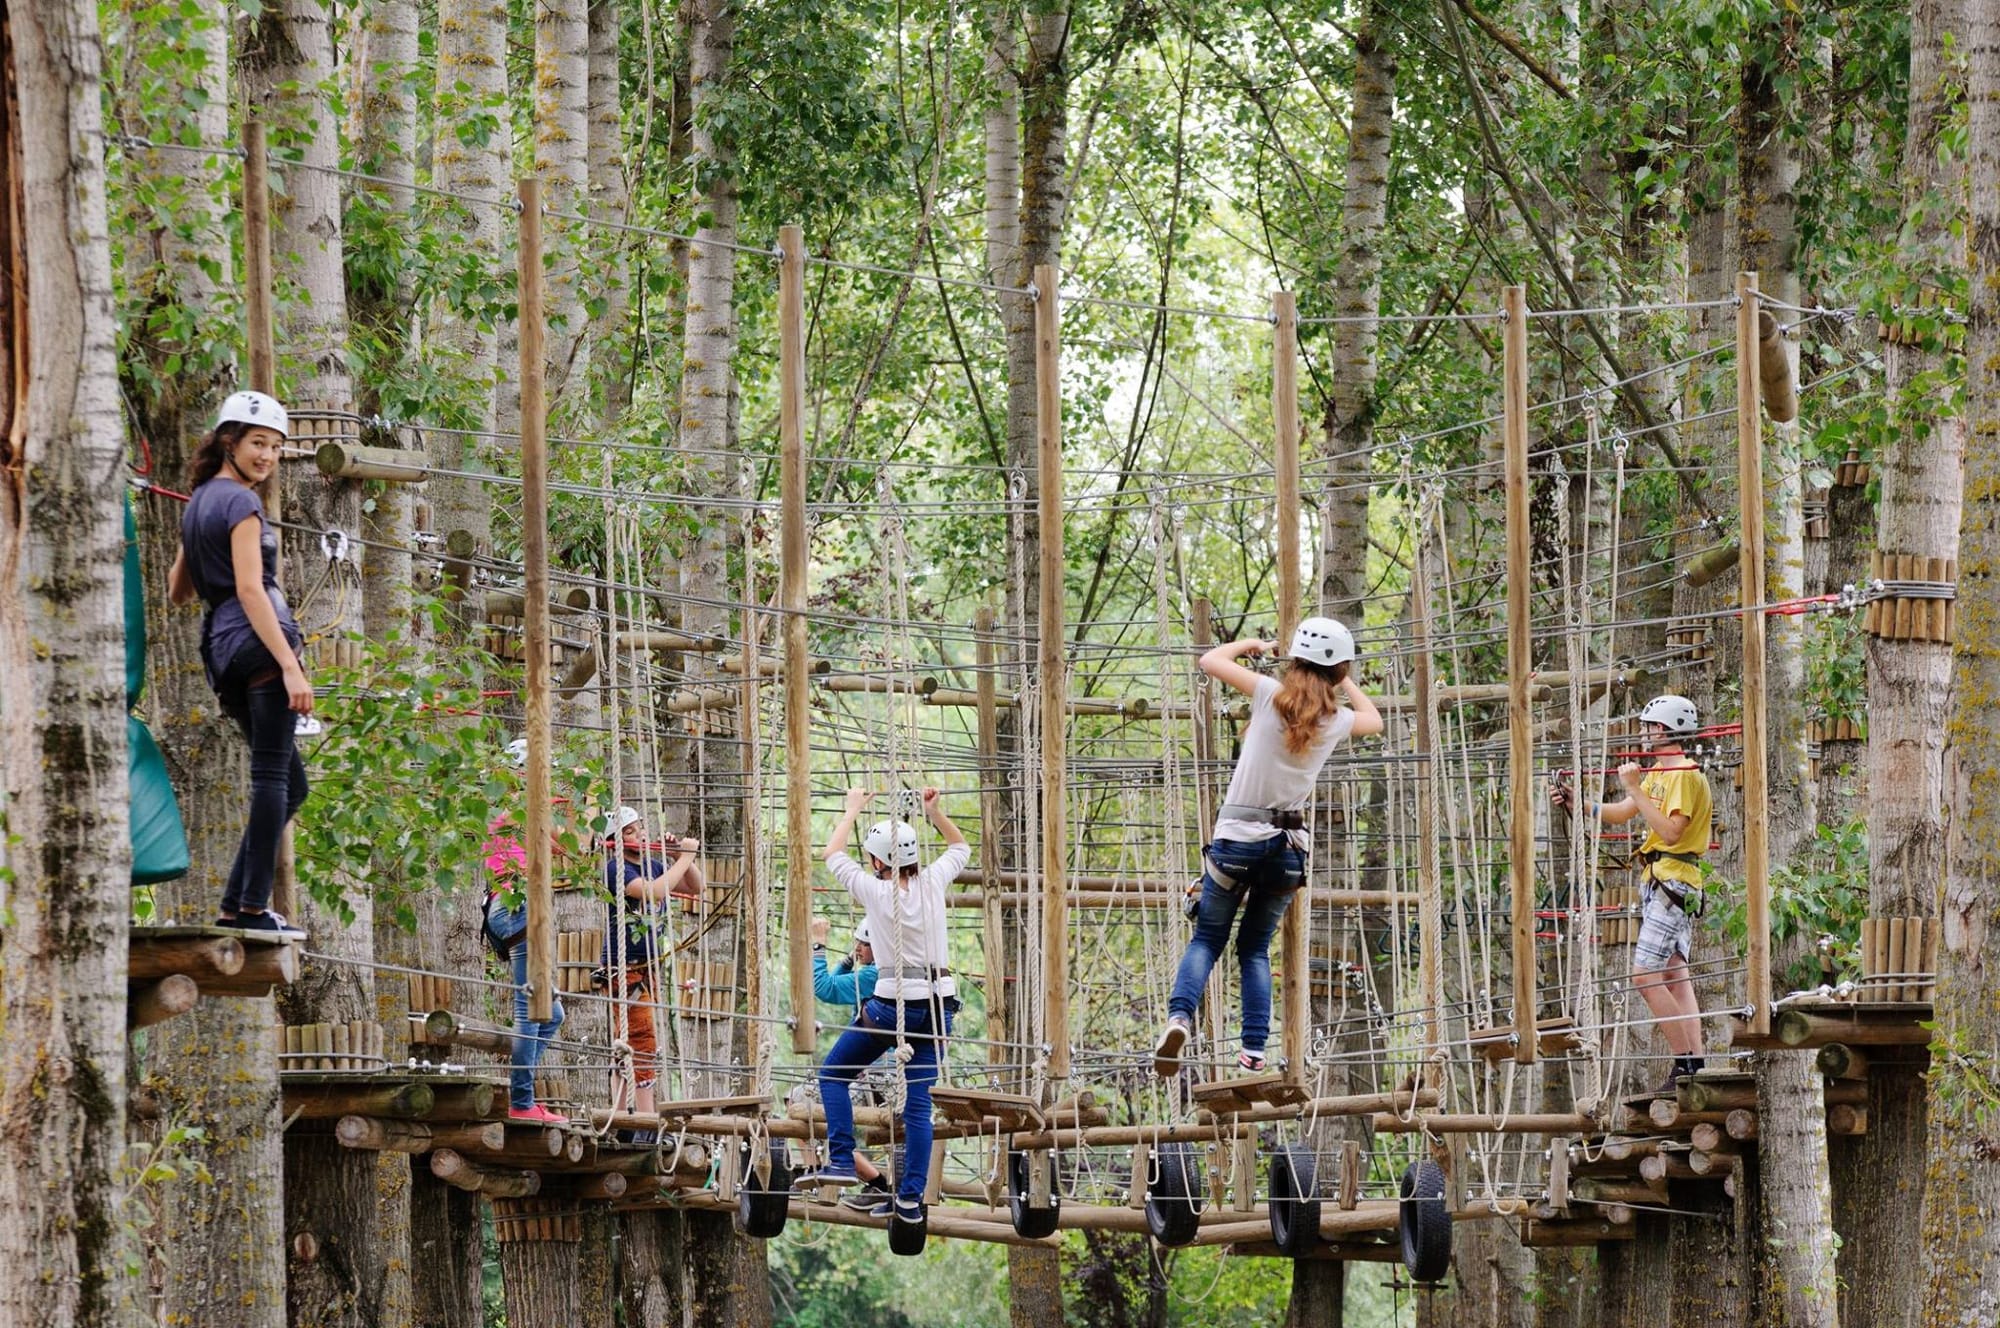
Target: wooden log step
1223 1097
149 1003
1709 1165
1553 1037
1800 1028
1837 1060
264 968
199 952
442 1028
1709 1097
1350 1104
320 1101
407 1136
972 1106
1537 1234
467 1100
1847 1120
454 1168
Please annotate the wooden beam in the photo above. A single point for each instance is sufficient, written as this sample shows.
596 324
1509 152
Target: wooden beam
200 957
1505 1123
155 1002
352 461
1429 764
1295 996
1750 525
1053 666
258 288
409 1136
412 1101
1520 662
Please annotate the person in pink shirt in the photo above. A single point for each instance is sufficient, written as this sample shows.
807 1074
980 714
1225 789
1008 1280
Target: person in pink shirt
506 929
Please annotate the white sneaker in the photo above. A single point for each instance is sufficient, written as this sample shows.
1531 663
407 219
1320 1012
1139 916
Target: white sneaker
1167 1051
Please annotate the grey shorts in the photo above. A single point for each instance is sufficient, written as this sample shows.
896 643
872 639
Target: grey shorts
1665 931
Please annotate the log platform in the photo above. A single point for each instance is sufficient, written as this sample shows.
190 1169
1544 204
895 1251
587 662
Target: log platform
1811 1025
1226 1097
219 961
322 1095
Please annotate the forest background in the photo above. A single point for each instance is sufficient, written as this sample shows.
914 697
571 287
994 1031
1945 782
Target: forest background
1394 164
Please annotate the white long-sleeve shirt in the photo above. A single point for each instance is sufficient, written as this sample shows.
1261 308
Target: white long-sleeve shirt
906 921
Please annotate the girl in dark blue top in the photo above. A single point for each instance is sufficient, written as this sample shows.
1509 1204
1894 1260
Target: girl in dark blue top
249 640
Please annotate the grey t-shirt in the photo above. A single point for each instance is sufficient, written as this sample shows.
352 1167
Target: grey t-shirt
1269 774
215 510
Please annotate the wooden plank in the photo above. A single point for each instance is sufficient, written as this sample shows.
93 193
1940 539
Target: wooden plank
1295 993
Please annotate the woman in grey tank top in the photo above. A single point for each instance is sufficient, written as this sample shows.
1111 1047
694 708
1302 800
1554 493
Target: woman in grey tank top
1256 858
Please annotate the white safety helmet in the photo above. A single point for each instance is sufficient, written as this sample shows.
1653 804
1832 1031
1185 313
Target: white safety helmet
248 407
862 936
624 817
1321 641
517 752
1676 713
893 842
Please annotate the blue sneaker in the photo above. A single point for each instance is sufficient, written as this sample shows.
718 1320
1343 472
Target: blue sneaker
826 1175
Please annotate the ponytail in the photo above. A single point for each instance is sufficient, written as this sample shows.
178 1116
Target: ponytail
1308 696
213 452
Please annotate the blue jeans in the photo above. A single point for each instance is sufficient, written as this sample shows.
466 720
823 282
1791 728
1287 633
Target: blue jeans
1265 875
860 1047
530 1039
263 711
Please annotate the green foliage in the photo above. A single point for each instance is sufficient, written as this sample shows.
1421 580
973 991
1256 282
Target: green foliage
1837 668
1819 899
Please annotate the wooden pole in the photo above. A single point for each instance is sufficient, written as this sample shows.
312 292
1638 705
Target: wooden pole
257 284
998 1005
793 557
1206 797
1520 739
1750 524
1054 678
260 318
756 900
1430 912
541 936
1292 932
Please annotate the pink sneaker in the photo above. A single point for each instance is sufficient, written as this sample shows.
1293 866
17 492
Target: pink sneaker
537 1115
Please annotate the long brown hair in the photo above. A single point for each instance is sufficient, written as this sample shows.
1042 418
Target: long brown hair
1308 696
208 458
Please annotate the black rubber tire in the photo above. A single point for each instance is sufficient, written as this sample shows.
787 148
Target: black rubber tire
1174 1196
761 1210
909 1237
1426 1226
1294 1201
1033 1223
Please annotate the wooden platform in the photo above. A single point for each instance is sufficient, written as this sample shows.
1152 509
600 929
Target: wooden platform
1805 1025
169 968
748 1104
1223 1097
981 1108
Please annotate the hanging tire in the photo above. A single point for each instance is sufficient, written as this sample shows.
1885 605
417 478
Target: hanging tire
761 1209
1174 1198
1294 1201
1033 1223
907 1237
1426 1226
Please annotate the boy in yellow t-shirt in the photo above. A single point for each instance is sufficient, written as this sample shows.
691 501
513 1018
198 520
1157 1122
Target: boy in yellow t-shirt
1673 799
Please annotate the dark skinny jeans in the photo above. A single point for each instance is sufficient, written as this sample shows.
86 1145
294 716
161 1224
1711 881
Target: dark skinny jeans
263 711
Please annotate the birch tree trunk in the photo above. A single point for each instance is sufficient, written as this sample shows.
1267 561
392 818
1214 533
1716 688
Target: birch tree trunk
1794 1192
1960 1241
62 721
1033 236
562 140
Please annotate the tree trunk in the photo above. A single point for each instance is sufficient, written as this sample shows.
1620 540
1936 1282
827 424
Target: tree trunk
540 1277
651 1279
1710 1275
1632 1275
471 82
608 200
445 1252
1348 432
562 141
1960 1241
62 729
1794 1189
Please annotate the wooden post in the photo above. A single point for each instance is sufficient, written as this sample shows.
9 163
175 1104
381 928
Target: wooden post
1750 525
1206 798
1054 678
793 559
1285 422
998 1011
1520 749
756 903
257 285
541 935
1430 908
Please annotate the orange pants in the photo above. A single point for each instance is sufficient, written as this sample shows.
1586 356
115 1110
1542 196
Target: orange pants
636 1010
